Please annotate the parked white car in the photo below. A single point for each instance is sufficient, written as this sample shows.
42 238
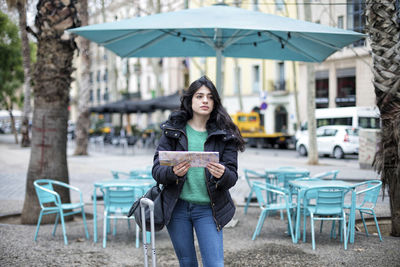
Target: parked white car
333 140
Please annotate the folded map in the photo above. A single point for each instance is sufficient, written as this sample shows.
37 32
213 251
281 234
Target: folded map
196 159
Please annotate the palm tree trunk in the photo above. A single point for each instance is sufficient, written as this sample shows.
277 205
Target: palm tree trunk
384 32
52 75
83 123
26 56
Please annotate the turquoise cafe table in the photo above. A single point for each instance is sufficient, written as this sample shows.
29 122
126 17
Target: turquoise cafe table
142 184
302 185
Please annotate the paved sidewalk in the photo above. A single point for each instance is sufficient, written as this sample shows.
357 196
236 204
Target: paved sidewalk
272 248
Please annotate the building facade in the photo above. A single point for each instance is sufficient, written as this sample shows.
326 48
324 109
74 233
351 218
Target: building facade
345 78
113 78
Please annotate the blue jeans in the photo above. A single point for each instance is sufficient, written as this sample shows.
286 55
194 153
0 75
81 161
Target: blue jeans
185 216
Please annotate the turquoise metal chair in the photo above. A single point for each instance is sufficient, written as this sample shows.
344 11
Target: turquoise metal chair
250 177
141 174
264 189
117 202
329 206
50 203
368 192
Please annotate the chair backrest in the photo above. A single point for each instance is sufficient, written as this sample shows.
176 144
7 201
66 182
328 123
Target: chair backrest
251 175
327 174
370 193
285 177
262 189
141 174
118 197
329 200
45 191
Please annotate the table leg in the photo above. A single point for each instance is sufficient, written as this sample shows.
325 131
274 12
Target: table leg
352 219
94 216
299 194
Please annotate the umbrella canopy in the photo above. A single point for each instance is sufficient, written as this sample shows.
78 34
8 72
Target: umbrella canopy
219 30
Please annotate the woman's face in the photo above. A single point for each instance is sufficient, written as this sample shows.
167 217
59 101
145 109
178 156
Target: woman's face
202 102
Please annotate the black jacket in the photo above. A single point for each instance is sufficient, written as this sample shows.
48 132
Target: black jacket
174 138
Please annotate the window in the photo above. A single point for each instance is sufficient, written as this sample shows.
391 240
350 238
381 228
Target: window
91 95
330 132
98 76
368 122
335 121
237 79
105 76
356 18
255 5
105 96
352 132
256 79
340 23
98 95
91 77
280 84
279 5
322 89
242 118
346 87
252 118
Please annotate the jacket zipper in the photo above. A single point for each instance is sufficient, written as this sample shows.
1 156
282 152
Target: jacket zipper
209 193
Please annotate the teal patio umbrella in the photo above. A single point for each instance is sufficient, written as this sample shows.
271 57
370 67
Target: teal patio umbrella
219 31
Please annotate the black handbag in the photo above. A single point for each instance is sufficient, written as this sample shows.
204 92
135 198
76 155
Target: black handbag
155 194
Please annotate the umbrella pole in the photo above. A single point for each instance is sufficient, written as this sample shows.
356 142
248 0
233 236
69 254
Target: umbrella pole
219 72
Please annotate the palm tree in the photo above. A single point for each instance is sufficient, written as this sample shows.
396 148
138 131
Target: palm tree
20 5
52 76
383 26
83 123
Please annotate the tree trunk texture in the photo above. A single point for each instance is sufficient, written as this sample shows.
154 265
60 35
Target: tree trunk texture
312 124
13 129
383 29
52 75
83 123
26 56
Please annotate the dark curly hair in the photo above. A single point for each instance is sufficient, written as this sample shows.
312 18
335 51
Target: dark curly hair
218 116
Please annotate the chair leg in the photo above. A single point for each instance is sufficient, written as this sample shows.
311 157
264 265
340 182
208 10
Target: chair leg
312 230
55 224
105 227
320 227
344 231
115 226
248 201
38 224
259 225
137 235
363 220
84 223
290 224
304 225
63 227
377 226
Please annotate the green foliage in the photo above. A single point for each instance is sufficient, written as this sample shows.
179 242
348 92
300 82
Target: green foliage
11 68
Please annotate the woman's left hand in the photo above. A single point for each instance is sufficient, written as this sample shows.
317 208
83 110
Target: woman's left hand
216 169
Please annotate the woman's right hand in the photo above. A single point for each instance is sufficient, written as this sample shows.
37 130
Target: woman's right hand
181 169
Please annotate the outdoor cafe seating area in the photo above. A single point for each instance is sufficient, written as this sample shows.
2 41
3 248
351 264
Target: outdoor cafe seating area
285 193
301 198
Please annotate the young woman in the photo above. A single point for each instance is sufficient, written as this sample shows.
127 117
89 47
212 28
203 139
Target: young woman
198 198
